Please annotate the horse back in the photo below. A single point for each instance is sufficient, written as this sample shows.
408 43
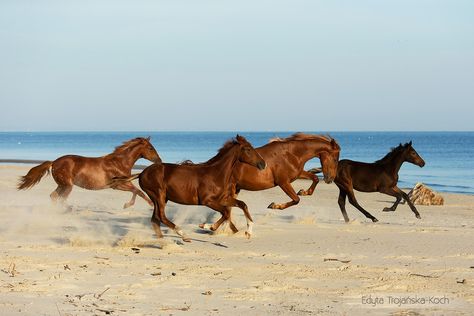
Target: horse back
364 177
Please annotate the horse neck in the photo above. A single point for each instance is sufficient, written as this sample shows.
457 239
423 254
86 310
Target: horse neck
308 149
226 163
129 157
394 163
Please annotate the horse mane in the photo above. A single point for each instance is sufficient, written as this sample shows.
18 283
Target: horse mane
303 136
186 162
394 151
224 149
129 144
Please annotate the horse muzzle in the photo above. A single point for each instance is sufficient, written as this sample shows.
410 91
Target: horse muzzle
421 164
328 180
261 165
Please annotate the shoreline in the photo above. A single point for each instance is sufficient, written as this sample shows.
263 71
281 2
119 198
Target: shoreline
23 162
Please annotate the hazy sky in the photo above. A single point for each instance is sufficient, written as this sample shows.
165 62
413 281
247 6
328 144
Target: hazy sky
237 65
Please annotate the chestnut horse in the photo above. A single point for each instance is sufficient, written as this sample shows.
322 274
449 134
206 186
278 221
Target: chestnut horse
380 176
94 173
285 158
210 183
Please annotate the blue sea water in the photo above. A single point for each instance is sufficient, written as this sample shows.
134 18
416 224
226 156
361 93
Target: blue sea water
448 155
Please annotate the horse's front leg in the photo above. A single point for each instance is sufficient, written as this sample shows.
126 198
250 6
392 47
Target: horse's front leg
310 176
407 198
288 189
226 216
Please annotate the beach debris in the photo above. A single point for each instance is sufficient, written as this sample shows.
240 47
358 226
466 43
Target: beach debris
106 311
103 258
173 273
97 296
136 250
461 281
220 244
184 309
421 194
11 271
207 293
432 276
66 267
155 273
336 259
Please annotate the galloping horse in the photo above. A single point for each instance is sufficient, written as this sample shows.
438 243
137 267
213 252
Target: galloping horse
380 176
94 173
285 158
210 183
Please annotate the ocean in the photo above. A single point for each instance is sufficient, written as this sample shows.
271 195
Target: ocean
448 155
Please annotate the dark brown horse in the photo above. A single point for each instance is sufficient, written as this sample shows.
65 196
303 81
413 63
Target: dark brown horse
210 183
94 173
380 176
285 160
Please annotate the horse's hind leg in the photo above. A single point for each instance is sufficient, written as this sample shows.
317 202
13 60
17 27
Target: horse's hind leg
342 204
161 201
353 201
398 196
61 193
128 186
288 189
311 176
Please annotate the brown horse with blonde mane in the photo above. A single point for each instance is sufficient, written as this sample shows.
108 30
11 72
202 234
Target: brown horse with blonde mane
210 183
285 159
94 173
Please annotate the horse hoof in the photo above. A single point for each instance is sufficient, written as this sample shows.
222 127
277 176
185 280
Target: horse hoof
202 226
248 235
272 205
418 216
387 209
375 220
126 205
300 192
186 239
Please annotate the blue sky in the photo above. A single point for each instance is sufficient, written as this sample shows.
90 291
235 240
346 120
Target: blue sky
236 65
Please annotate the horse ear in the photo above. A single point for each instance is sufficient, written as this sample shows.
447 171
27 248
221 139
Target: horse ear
333 143
409 144
240 139
148 138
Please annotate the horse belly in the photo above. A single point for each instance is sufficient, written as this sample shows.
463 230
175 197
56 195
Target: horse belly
255 180
91 177
182 190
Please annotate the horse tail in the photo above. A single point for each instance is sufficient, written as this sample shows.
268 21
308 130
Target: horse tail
316 170
34 175
119 180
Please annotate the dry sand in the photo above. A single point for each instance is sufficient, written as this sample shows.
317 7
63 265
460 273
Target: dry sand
55 261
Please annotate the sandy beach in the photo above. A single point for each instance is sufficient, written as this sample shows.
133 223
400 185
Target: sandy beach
99 259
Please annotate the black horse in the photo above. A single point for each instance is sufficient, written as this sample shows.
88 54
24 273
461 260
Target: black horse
380 176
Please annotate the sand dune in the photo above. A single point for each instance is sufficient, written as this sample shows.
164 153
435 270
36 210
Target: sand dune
95 258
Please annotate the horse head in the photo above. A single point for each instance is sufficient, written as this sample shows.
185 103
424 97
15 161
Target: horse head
248 154
329 160
148 151
412 156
